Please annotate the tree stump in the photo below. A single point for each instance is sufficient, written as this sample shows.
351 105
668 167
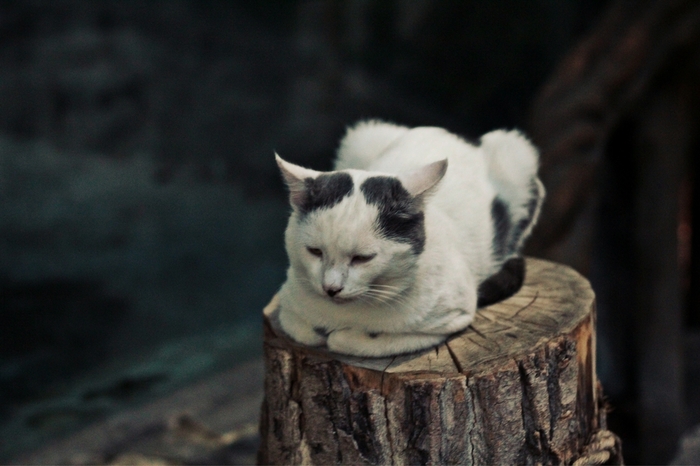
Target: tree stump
517 387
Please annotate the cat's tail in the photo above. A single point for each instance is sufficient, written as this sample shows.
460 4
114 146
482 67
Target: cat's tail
512 166
365 141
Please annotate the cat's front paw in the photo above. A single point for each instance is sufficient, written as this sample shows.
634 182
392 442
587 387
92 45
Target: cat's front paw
361 343
349 341
302 331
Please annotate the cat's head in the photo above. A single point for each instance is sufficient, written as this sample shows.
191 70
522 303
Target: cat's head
356 235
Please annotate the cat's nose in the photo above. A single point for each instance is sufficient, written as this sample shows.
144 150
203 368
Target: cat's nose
332 291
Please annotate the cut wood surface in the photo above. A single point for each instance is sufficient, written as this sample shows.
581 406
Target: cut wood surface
517 387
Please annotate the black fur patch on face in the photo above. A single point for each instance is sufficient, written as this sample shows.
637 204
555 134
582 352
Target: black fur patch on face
325 191
503 284
522 225
500 215
400 218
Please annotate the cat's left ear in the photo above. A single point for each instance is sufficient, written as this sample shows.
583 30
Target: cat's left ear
294 176
420 181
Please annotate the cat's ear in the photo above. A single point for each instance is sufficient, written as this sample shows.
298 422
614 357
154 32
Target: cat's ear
419 181
294 176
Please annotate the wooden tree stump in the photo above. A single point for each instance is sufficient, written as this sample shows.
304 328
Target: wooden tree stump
517 387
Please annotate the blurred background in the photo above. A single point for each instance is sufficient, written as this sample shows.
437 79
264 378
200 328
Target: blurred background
142 214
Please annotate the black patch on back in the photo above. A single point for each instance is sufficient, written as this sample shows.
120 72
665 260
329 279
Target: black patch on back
503 284
325 191
400 218
500 215
522 225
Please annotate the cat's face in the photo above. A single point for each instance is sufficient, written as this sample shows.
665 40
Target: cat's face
338 253
354 236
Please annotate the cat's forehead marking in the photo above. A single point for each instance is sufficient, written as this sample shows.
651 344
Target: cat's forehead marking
382 190
325 191
400 218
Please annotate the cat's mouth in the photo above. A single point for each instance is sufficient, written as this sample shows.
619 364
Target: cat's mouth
342 300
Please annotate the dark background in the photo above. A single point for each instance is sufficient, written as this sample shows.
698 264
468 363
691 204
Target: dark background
141 212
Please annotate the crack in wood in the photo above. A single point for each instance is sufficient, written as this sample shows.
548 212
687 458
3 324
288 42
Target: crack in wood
471 437
536 439
482 335
527 305
477 344
381 382
388 430
553 390
332 411
537 324
455 360
471 326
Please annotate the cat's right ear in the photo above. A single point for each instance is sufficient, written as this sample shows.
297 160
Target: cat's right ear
422 180
295 177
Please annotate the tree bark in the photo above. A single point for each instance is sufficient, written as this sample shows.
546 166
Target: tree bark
517 387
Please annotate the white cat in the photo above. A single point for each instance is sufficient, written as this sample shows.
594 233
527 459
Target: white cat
393 252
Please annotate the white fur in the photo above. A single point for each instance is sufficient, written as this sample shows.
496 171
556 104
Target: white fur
399 301
364 142
510 155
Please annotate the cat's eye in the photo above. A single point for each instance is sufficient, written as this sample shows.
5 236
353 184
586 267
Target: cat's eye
359 259
315 252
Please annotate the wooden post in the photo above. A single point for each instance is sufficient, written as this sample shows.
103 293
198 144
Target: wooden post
518 387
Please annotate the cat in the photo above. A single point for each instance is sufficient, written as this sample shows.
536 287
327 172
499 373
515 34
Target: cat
394 250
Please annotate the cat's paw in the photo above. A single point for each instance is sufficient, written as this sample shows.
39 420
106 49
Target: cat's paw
349 341
361 343
302 331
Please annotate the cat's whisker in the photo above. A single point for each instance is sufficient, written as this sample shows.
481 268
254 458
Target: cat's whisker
388 297
391 300
365 300
374 297
382 285
392 296
385 292
394 302
381 301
